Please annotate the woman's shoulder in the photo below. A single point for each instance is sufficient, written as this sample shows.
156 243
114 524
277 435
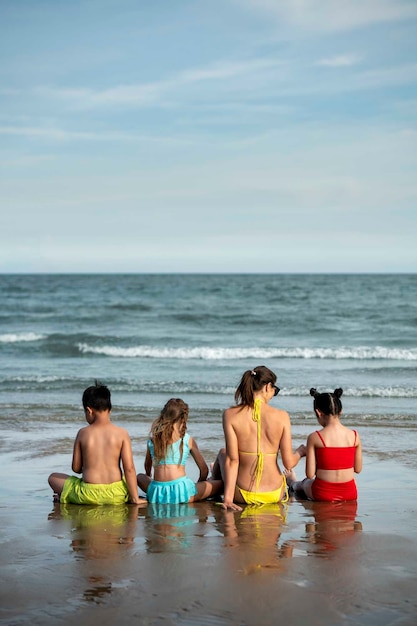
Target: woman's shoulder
233 411
276 413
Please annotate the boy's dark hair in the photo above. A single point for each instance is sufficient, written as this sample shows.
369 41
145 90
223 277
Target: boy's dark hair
97 397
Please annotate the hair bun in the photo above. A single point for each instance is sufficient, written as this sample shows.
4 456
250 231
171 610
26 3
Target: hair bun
314 392
338 392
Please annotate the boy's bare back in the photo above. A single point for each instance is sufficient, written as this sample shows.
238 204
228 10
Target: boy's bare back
99 450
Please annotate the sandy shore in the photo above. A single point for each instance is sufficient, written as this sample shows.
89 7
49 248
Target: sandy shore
307 563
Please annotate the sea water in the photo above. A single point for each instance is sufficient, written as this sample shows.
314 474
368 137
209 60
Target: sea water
153 337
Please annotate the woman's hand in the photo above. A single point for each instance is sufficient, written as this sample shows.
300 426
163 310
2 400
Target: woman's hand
302 450
230 506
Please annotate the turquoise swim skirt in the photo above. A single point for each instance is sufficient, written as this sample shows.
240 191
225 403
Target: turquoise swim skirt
171 491
76 491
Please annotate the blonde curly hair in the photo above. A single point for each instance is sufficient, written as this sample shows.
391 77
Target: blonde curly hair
175 410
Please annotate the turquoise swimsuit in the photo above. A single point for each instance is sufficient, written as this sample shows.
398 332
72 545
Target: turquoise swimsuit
171 491
173 456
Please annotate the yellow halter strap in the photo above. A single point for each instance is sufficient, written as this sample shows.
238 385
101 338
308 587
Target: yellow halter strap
259 468
256 416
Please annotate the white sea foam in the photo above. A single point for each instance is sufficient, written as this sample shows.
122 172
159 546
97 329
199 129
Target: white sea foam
20 337
219 353
359 392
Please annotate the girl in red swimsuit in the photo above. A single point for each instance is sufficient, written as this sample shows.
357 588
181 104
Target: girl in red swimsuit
334 454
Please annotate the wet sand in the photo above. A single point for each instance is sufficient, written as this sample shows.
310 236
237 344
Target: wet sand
306 563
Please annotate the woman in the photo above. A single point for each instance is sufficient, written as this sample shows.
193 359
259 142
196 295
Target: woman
334 454
254 433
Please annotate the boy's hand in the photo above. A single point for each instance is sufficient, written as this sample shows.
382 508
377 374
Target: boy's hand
138 501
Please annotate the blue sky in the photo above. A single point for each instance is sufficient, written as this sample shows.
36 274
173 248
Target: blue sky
208 136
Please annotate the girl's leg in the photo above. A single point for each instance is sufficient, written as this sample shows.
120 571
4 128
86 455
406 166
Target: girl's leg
307 487
56 482
143 481
217 471
302 487
206 489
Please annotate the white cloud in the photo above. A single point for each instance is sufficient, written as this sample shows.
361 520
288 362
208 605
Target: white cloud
261 78
147 94
142 95
344 60
333 15
46 133
226 69
64 135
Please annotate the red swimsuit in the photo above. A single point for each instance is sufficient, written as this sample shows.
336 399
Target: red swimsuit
329 458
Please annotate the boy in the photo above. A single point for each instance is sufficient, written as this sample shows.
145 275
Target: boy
99 449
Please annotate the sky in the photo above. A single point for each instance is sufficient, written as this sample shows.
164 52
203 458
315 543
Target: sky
208 136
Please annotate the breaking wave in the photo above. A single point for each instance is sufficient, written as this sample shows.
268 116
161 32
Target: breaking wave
20 337
220 353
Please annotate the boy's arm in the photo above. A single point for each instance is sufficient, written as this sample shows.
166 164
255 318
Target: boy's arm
77 456
198 458
129 470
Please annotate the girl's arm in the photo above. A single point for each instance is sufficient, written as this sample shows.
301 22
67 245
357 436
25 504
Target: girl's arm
129 470
148 463
77 456
358 456
198 458
311 465
289 458
231 465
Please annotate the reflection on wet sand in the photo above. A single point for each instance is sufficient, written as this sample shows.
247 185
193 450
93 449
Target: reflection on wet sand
99 534
255 536
259 540
99 531
333 526
172 527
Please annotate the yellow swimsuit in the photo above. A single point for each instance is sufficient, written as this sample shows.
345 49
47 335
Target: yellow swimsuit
262 497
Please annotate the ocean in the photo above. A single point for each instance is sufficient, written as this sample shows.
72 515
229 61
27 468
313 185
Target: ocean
153 337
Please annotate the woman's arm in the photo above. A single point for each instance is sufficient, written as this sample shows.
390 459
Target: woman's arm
289 458
198 458
231 464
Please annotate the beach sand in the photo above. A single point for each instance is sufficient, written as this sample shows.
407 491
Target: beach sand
306 563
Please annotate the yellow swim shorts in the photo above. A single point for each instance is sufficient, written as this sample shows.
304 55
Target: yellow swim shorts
76 491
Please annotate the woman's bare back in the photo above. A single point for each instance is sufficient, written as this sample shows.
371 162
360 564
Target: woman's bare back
272 424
